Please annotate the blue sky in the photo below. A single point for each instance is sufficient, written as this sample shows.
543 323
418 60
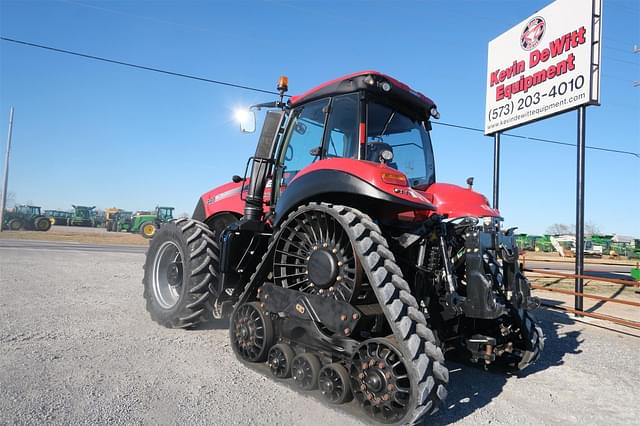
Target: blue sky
92 133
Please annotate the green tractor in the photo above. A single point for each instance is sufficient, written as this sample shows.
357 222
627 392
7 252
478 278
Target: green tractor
26 217
82 216
144 222
119 221
147 223
58 217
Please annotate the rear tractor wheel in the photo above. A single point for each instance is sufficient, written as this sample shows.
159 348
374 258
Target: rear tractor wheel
182 262
148 229
42 224
14 224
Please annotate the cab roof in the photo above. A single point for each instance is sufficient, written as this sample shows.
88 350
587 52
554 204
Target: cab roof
369 81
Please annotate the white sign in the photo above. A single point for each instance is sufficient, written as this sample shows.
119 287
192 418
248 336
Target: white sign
545 65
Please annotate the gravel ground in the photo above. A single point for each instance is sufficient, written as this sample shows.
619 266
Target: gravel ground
77 346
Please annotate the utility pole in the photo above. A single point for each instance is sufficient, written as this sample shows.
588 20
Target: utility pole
3 201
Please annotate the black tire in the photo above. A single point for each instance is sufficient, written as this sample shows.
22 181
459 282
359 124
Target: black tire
14 224
280 359
149 229
335 384
185 304
305 369
530 346
415 341
41 224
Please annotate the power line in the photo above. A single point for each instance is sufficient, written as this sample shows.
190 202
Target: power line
142 67
240 86
513 135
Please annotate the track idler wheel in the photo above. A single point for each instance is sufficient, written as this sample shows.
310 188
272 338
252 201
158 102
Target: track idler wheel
305 369
280 359
251 332
334 383
380 381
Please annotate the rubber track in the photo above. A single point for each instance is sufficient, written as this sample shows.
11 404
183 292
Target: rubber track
423 356
535 344
203 261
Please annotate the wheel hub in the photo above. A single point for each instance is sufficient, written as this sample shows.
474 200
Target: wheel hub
374 380
174 274
244 332
323 268
326 385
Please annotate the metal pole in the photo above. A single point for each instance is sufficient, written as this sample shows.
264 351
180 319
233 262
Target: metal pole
582 117
3 202
496 169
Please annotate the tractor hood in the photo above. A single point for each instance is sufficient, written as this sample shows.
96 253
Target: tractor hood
456 201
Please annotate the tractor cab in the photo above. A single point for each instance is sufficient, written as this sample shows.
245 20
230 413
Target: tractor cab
364 116
164 214
28 210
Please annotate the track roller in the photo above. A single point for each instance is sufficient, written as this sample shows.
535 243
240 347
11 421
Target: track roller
305 369
334 383
251 332
380 380
280 359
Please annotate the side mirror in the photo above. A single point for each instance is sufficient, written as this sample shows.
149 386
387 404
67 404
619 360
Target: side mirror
247 120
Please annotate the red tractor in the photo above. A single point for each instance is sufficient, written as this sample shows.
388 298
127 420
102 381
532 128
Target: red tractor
348 267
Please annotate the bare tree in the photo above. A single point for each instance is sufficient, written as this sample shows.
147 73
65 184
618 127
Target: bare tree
11 199
591 229
559 229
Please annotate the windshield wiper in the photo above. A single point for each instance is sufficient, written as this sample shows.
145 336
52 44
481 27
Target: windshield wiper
386 124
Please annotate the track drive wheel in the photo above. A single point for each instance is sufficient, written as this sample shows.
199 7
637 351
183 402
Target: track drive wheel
305 369
251 332
181 263
15 224
335 384
148 229
42 224
280 359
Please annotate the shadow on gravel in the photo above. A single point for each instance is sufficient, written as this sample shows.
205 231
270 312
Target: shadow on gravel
214 324
471 387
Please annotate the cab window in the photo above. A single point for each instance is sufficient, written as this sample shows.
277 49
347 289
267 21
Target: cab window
304 144
342 137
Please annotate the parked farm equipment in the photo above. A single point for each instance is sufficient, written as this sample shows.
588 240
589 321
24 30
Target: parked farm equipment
26 217
349 267
82 216
58 217
144 222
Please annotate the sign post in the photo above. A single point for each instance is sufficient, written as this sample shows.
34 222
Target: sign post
546 65
496 170
579 284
